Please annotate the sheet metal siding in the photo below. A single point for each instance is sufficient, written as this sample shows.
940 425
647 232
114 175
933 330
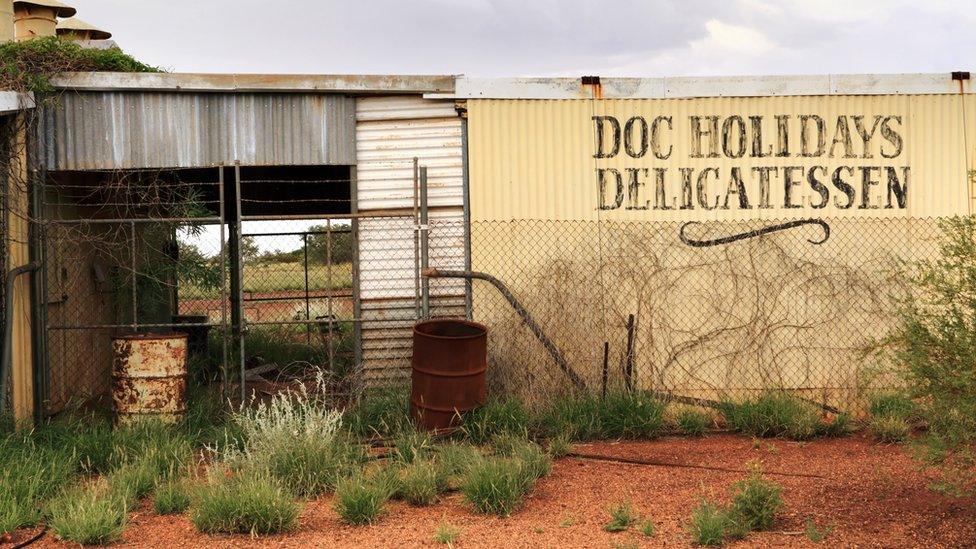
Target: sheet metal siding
534 159
112 130
390 132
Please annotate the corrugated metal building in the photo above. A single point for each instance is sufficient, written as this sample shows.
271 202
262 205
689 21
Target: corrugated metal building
564 172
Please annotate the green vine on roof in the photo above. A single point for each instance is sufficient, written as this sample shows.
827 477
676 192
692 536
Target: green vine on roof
29 66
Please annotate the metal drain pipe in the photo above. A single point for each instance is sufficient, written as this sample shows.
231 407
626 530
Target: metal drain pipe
8 326
533 326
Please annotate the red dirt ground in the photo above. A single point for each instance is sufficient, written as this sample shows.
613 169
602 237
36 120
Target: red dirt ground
872 495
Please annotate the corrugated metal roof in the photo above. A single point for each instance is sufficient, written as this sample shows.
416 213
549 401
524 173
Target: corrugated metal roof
117 130
709 86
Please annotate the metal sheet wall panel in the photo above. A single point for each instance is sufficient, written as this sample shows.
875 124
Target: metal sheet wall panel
534 159
390 133
118 130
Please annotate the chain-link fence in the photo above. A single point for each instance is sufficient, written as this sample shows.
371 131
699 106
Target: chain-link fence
635 303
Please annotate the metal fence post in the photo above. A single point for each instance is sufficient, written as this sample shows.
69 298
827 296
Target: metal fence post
424 245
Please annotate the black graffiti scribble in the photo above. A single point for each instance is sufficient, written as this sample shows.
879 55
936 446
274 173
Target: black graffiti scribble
752 234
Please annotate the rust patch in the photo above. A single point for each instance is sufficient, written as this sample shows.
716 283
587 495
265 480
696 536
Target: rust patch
149 376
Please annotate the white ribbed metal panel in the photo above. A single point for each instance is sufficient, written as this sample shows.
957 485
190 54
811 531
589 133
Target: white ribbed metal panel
390 132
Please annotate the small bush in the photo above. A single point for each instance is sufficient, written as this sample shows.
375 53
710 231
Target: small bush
495 485
446 533
647 528
814 533
496 417
890 428
91 515
622 517
776 414
709 523
631 414
171 498
419 483
252 504
360 501
756 500
692 422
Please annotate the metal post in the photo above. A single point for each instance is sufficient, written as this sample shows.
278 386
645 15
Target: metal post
308 308
239 269
328 292
416 238
357 305
466 201
135 280
224 333
629 372
424 245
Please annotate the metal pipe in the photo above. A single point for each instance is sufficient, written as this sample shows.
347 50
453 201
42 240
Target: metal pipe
416 237
239 268
8 325
466 208
424 246
533 326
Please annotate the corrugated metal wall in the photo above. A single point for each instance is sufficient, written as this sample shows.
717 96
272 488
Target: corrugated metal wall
534 159
390 133
117 130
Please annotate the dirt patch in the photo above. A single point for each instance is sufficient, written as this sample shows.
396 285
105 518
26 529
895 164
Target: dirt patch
872 495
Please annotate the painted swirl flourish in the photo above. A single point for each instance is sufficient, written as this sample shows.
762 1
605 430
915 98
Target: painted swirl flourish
752 234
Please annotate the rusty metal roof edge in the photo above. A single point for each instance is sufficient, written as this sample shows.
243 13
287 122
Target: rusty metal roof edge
710 86
216 82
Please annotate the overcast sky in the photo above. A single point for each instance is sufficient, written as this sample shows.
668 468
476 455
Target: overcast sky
543 37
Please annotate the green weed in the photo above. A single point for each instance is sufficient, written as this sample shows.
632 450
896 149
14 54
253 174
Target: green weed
890 428
560 446
756 500
814 533
709 523
89 515
171 497
622 517
892 403
496 417
380 412
446 533
419 483
573 416
252 504
692 422
495 485
360 501
647 528
453 461
631 415
775 414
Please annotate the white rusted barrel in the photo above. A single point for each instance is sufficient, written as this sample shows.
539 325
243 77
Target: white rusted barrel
149 377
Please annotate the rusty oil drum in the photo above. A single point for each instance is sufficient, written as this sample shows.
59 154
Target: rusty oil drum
149 377
450 358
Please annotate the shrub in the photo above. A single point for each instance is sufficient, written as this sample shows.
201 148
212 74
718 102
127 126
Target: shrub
89 515
496 417
890 428
252 504
756 500
171 498
777 414
446 533
622 517
934 349
495 485
631 414
709 523
692 422
419 483
359 501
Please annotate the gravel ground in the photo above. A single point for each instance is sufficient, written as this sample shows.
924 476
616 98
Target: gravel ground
871 495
